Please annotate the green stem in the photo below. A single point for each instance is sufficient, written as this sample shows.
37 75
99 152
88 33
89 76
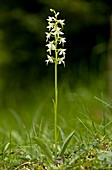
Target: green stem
55 108
56 98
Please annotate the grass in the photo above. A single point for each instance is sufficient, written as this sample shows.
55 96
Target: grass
26 140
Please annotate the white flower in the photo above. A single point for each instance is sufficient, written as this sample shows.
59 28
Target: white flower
61 22
61 60
50 59
62 40
50 25
50 46
50 19
57 31
47 35
62 52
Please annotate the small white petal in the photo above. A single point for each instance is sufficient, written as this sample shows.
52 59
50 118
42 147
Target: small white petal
49 50
62 52
47 61
47 36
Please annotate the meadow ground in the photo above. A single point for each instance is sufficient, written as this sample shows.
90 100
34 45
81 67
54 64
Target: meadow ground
27 130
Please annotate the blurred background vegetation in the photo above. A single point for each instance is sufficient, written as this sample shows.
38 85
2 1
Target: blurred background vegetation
26 84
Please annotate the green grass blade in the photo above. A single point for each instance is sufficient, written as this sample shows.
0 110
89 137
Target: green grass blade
62 133
84 125
44 148
106 104
6 147
65 144
18 119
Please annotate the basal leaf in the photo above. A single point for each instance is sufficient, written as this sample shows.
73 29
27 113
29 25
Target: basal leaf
44 148
65 144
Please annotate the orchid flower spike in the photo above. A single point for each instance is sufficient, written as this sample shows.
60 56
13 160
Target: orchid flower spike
55 39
